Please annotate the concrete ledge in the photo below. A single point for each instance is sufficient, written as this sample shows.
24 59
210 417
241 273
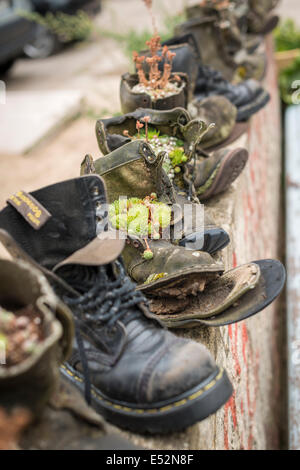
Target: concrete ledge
249 351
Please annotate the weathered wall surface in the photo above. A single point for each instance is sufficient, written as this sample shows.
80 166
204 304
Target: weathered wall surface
249 351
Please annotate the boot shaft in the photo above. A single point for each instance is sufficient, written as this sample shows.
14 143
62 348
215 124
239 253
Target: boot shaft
30 381
133 171
210 44
131 100
226 21
72 207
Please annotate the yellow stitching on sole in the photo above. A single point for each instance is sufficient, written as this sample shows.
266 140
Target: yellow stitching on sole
151 411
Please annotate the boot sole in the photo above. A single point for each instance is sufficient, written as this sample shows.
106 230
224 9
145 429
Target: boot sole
231 167
273 278
211 241
163 417
239 130
269 287
245 112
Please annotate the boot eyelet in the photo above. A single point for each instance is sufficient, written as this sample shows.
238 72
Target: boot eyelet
110 332
95 191
136 244
183 120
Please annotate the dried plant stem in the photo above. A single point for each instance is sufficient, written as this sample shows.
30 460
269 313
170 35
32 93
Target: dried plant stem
157 80
148 4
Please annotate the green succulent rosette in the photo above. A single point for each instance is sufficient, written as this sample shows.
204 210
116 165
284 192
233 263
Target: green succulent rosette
144 218
174 148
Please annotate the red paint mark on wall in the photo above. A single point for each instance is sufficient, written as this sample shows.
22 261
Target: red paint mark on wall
234 260
245 340
226 439
240 412
235 352
230 407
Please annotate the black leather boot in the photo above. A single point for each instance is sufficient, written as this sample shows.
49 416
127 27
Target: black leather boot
134 372
248 96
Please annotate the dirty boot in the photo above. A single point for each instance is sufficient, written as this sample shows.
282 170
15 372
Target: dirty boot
220 111
260 19
238 294
183 286
39 408
224 16
111 133
131 100
211 175
117 336
233 19
32 337
248 96
209 35
135 171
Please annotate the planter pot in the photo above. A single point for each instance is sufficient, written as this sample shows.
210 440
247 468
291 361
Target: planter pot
175 122
214 109
31 383
130 100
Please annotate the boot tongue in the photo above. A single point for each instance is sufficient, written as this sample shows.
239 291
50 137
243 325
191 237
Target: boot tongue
106 294
70 210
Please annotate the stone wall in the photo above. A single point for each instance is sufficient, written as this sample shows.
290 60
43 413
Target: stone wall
250 350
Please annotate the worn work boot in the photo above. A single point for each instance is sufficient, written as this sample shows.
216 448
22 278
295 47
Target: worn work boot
128 366
232 19
178 282
260 19
214 53
214 174
236 295
136 171
224 16
32 337
220 111
171 271
210 176
38 331
215 109
248 96
208 34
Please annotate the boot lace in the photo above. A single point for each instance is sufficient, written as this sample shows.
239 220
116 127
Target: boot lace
102 300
